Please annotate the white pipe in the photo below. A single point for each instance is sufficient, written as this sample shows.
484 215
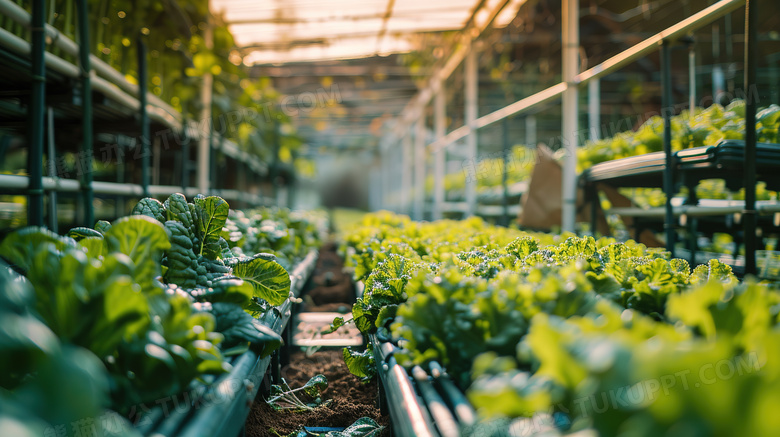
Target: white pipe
406 173
691 80
20 183
570 137
594 109
439 108
419 169
471 90
530 130
207 89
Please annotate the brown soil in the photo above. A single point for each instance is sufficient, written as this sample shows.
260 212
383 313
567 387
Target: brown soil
330 308
350 398
330 284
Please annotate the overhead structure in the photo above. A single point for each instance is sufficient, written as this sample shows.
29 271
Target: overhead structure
285 31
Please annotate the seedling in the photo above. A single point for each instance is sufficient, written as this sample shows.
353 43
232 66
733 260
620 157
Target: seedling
284 398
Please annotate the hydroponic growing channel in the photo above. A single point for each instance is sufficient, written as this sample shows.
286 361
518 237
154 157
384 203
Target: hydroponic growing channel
472 218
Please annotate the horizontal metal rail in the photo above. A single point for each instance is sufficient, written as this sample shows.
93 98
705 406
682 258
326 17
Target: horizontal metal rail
694 210
17 183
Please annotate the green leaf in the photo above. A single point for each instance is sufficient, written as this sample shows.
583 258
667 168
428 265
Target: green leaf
180 259
20 246
143 239
270 280
177 208
212 215
95 247
231 289
315 385
363 427
102 226
237 326
338 322
80 233
360 364
151 208
522 246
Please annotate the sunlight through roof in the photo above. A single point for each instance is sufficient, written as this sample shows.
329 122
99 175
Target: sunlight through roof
282 31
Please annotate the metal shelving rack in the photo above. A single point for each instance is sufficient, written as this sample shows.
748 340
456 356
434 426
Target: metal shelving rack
99 104
412 174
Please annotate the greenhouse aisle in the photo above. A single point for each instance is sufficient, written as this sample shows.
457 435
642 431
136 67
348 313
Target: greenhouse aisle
472 218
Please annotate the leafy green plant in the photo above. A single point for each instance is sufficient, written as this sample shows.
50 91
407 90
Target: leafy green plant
539 329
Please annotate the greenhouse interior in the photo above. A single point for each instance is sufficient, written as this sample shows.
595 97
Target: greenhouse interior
340 218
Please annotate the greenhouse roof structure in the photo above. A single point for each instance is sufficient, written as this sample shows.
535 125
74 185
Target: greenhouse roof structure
284 31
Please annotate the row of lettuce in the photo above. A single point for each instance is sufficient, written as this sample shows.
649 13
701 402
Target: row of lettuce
562 335
102 324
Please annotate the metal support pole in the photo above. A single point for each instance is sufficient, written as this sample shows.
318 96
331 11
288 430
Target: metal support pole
207 88
406 173
36 114
185 157
594 109
144 116
571 43
51 158
382 173
666 112
419 168
471 90
691 78
530 131
214 160
439 108
505 151
274 173
751 60
86 113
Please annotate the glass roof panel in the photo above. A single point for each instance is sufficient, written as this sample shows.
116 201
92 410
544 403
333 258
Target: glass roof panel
282 31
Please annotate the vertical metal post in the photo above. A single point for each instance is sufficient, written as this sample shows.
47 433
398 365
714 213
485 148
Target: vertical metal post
571 43
471 90
382 173
207 88
751 60
241 184
691 78
406 172
185 156
774 78
36 114
213 170
505 151
666 112
274 173
86 113
419 167
530 130
119 201
51 155
440 155
594 109
144 116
